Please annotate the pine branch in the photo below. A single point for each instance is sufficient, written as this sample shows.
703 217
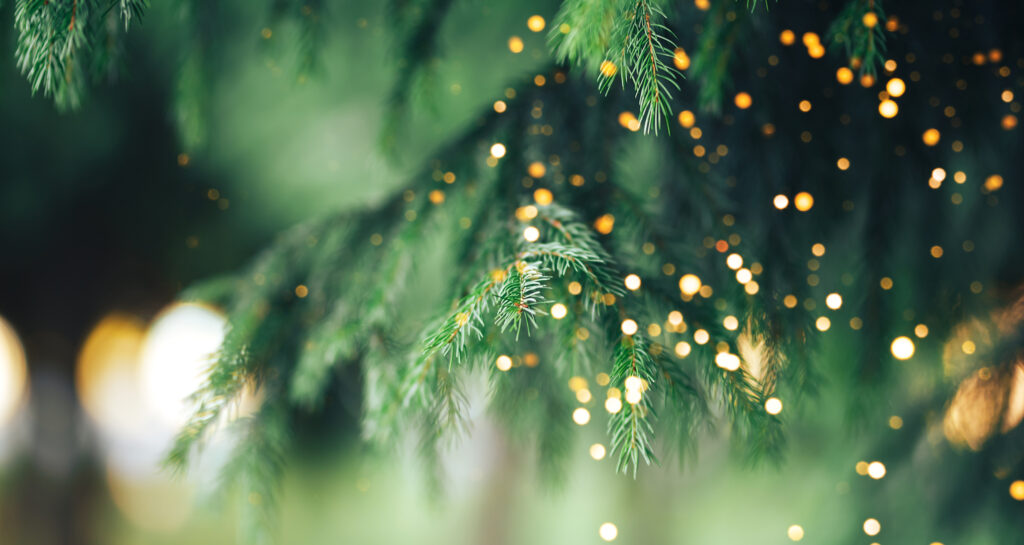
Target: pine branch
864 45
631 428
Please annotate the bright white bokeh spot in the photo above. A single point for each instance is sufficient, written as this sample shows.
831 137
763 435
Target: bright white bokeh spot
773 405
876 470
179 347
608 531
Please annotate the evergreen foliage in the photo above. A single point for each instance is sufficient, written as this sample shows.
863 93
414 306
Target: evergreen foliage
585 215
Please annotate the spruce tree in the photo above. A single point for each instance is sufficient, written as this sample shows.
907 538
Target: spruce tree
668 230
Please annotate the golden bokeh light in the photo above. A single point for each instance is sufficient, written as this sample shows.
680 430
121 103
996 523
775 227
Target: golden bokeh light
535 23
743 100
515 44
888 109
597 451
689 284
558 311
681 59
107 373
876 470
780 201
682 349
834 301
902 348
844 76
895 87
632 282
773 405
531 234
629 326
503 363
581 416
13 373
803 201
498 150
795 532
930 137
872 527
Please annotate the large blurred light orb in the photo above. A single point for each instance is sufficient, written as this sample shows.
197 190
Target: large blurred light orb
106 377
13 373
179 348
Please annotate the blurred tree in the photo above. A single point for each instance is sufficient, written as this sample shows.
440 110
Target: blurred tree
697 275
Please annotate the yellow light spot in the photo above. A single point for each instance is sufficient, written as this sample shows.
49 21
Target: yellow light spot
734 261
1007 96
603 379
613 405
608 531
993 183
575 287
498 150
744 275
727 361
743 100
629 326
938 174
787 37
968 347
581 416
823 323
818 249
816 51
526 213
930 137
870 19
702 5
633 396
773 405
888 109
266 33
872 527
751 287
795 532
653 330
543 196
843 163
682 349
780 201
1009 121
558 311
886 283
1017 490
608 69
867 80
436 196
876 470
515 44
902 348
731 323
500 106
301 291
844 75
531 234
689 284
701 336
682 60
632 282
583 396
503 363
536 169
449 177
675 318
834 301
895 87
805 105
597 451
803 201
936 251
861 468
535 23
604 224
811 39
686 119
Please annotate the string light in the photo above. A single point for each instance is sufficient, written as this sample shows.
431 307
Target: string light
834 301
689 284
581 416
803 201
498 149
872 527
558 311
773 405
608 531
535 23
780 201
876 470
503 363
629 326
902 348
682 349
531 234
632 282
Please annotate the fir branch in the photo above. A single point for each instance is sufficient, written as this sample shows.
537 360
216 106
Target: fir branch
864 46
631 428
520 296
640 47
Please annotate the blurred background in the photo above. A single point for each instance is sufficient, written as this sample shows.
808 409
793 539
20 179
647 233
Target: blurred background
108 212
